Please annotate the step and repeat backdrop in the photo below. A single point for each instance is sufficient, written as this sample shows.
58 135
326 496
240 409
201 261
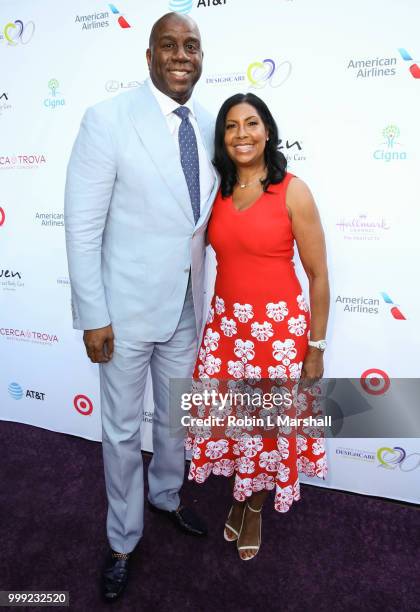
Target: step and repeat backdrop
342 79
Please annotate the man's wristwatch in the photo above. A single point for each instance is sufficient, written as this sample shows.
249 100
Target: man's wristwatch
319 344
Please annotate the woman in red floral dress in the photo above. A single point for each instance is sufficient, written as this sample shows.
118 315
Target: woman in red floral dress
256 337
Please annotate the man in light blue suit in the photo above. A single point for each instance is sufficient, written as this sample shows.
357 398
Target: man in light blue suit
139 191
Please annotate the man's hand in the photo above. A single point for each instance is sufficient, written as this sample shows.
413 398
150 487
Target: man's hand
99 344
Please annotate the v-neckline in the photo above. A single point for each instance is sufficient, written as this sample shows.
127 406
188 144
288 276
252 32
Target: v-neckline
242 210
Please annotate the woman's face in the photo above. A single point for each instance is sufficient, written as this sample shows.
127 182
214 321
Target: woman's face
245 135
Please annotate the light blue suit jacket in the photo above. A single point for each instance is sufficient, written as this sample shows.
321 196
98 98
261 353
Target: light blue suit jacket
130 233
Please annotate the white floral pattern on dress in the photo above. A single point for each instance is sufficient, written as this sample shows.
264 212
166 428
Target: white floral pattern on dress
277 311
224 467
242 488
212 364
211 340
228 327
283 499
302 303
245 465
215 449
263 481
284 351
243 312
236 369
277 373
270 460
219 305
262 331
252 373
244 349
297 325
250 445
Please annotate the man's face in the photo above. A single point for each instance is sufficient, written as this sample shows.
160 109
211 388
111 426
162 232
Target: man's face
175 58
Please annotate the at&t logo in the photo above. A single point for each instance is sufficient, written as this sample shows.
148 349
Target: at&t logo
16 392
259 74
181 6
17 32
83 405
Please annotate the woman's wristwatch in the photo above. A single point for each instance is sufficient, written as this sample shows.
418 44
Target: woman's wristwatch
319 344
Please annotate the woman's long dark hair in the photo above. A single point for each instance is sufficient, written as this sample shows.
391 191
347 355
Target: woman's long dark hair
274 159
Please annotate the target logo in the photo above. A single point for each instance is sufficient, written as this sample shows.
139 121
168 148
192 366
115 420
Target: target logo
375 382
83 404
2 216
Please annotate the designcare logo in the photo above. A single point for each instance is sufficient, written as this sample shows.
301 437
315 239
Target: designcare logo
27 335
98 20
16 392
17 32
413 67
4 102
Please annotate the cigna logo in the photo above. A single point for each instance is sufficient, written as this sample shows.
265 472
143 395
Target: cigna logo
397 457
17 32
375 381
413 68
2 216
83 404
391 147
394 309
181 6
264 72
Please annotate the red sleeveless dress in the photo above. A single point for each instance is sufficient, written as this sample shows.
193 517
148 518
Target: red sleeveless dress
255 339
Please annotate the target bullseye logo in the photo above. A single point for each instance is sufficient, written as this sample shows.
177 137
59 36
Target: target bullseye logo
375 382
2 216
83 404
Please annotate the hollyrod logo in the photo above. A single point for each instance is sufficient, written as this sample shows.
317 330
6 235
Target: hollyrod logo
291 150
397 457
414 68
22 335
22 162
83 404
10 280
388 151
394 310
363 227
375 382
54 101
259 74
16 32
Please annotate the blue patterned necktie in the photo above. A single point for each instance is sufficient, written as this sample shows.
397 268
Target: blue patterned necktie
189 158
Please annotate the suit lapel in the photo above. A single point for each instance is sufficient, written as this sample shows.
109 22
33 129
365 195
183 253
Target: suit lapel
207 135
153 131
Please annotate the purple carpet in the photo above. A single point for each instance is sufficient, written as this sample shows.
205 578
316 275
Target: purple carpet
333 551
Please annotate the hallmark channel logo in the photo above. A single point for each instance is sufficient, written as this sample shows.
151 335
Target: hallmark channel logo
375 381
49 219
83 404
5 105
16 392
22 161
17 33
397 457
27 335
258 75
292 150
55 99
373 67
11 280
98 20
413 67
113 86
363 227
390 148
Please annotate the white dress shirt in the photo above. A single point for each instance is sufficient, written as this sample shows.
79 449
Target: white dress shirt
167 106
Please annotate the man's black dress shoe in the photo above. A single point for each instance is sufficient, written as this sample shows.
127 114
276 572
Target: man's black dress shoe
185 519
115 575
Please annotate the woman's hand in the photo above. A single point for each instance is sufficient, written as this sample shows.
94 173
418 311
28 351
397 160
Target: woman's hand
313 367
